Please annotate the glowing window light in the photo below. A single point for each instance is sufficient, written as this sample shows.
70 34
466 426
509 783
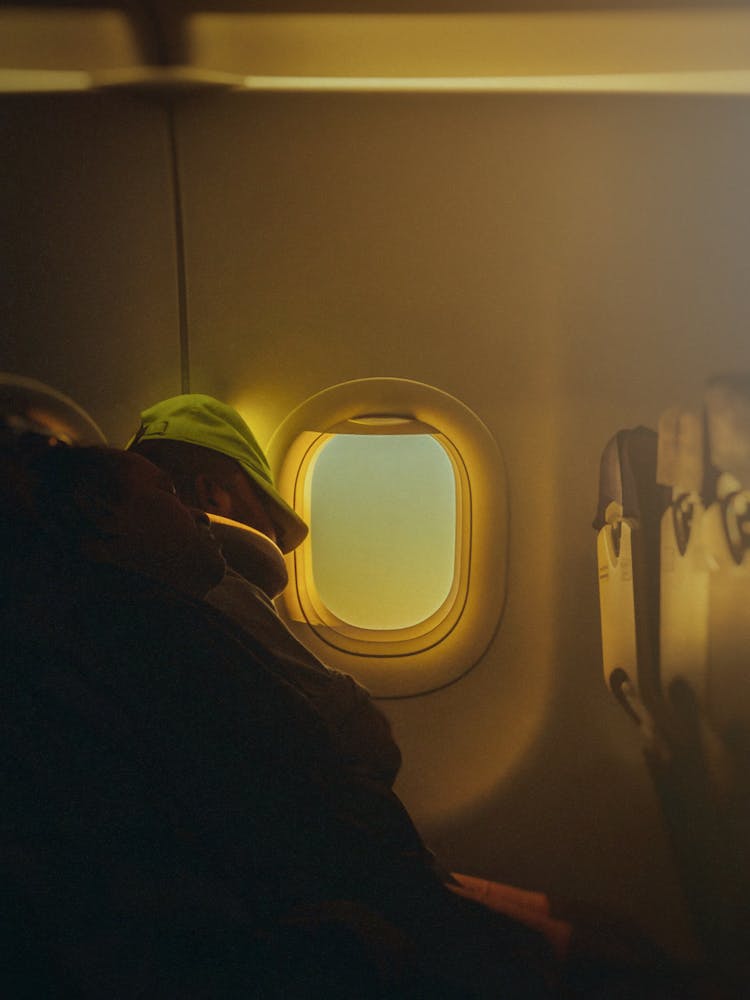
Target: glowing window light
383 528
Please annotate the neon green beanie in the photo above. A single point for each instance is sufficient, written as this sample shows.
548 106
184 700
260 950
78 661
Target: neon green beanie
205 421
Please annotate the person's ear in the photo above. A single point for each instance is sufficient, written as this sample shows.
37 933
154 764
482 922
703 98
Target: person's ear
212 496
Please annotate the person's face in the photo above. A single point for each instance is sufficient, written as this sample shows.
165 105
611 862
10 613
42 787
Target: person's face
153 532
249 506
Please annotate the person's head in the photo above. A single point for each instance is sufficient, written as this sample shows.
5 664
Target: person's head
216 464
36 413
34 418
110 506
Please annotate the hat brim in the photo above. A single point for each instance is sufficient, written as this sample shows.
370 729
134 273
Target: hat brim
291 530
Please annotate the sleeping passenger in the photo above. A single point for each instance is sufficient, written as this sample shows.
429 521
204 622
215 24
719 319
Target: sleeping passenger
178 821
218 466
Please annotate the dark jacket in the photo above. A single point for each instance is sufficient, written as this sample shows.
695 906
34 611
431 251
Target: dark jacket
359 730
177 821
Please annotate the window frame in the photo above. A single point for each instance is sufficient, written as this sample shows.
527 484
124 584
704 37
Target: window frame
430 654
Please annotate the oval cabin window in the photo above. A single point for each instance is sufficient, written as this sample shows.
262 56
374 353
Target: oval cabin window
383 528
401 581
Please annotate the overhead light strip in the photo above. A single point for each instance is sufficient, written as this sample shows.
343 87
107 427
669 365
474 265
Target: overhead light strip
702 82
187 78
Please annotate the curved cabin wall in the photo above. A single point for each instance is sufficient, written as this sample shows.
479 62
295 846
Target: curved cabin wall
564 265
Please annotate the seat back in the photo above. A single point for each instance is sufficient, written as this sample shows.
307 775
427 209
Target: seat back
726 541
674 584
684 576
704 459
627 521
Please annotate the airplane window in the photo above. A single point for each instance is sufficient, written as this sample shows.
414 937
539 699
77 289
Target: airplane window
383 528
401 581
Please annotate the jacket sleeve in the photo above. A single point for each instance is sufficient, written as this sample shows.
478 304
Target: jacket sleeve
360 731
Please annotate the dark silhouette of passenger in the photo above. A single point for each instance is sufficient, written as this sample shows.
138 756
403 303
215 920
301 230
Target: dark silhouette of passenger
177 818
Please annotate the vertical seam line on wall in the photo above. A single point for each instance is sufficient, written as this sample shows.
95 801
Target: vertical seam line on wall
179 233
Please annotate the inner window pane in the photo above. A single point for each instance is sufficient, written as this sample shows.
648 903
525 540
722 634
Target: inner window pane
383 528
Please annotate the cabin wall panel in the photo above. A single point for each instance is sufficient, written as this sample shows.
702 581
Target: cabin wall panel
336 243
87 254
